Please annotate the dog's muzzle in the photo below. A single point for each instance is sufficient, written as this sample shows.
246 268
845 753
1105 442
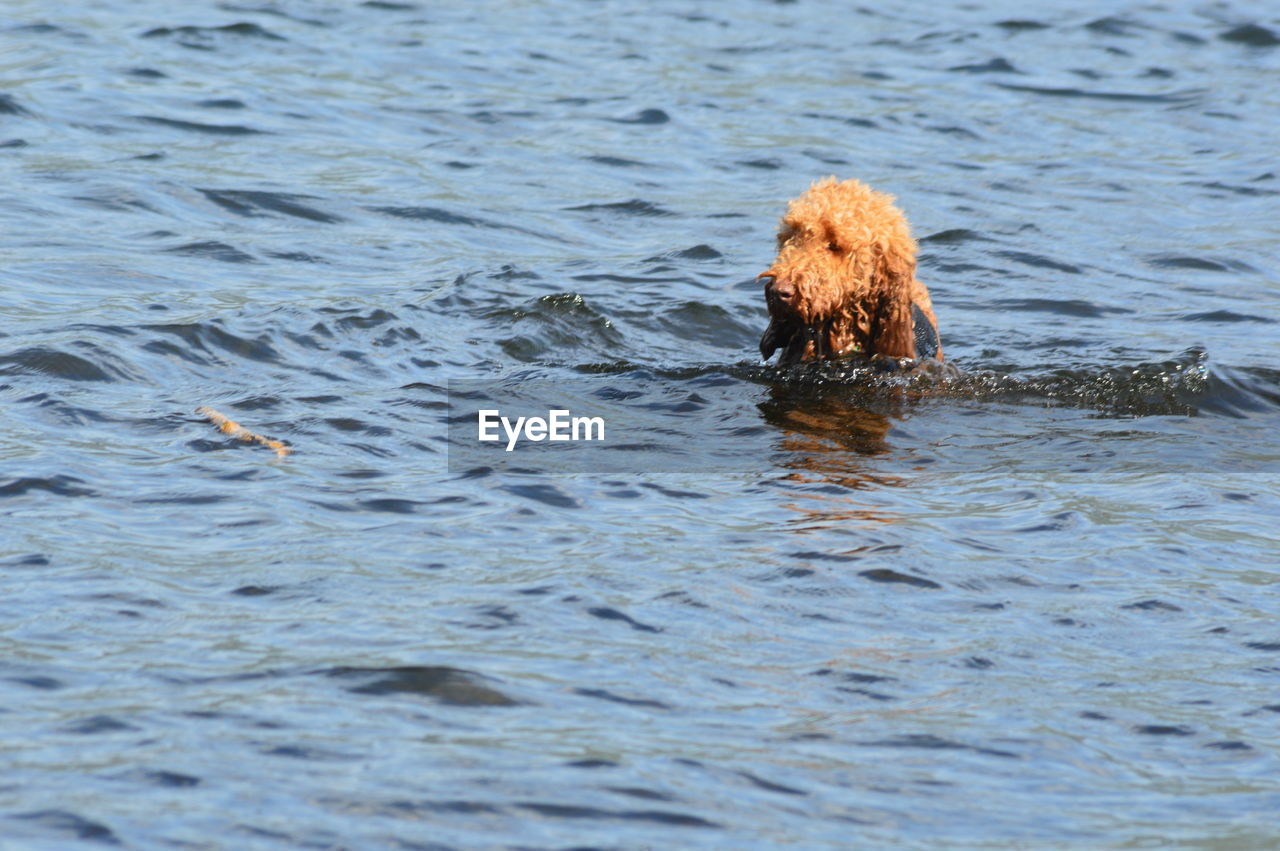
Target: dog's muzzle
779 296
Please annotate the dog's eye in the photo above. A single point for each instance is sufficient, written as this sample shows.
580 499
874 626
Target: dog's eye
833 247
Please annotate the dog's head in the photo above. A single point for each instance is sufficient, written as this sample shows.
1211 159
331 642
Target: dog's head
843 278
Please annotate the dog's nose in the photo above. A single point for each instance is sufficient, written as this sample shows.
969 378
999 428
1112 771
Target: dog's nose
783 291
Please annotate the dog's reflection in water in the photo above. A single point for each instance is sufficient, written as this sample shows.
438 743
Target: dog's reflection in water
829 441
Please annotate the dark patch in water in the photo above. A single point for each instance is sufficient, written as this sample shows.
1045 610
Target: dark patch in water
1205 263
197 127
1225 316
41 683
634 207
432 214
696 252
245 202
170 779
448 685
616 162
884 574
1173 99
1112 26
1019 25
927 741
1246 191
1036 260
1060 307
563 811
998 65
60 485
98 724
1252 35
602 694
72 824
254 591
607 614
954 236
190 36
1153 606
210 336
544 493
448 217
9 105
213 250
53 363
769 785
645 116
1163 730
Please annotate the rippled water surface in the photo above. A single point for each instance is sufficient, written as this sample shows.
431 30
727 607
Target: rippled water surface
1030 604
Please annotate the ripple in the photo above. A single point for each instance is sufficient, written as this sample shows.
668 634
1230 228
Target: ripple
634 207
71 824
448 217
197 127
202 37
9 105
43 360
998 65
1225 316
1022 25
1200 263
662 817
928 741
645 116
248 203
1183 98
615 162
551 322
1026 258
954 236
894 577
1252 35
213 250
1060 307
448 685
221 103
210 336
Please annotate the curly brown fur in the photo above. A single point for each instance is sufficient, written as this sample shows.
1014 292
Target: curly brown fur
844 280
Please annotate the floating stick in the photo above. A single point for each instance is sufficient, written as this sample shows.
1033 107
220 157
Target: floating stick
239 432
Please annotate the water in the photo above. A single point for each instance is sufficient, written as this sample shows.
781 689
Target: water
1029 605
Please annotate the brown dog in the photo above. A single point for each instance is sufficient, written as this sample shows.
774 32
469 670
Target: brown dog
844 280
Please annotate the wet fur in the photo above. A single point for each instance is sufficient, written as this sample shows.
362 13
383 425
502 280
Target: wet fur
844 279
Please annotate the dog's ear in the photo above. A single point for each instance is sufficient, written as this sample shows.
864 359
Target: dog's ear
891 328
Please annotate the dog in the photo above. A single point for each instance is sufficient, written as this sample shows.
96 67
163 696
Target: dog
844 281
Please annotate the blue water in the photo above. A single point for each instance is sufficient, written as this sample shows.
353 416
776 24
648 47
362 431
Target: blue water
1030 605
